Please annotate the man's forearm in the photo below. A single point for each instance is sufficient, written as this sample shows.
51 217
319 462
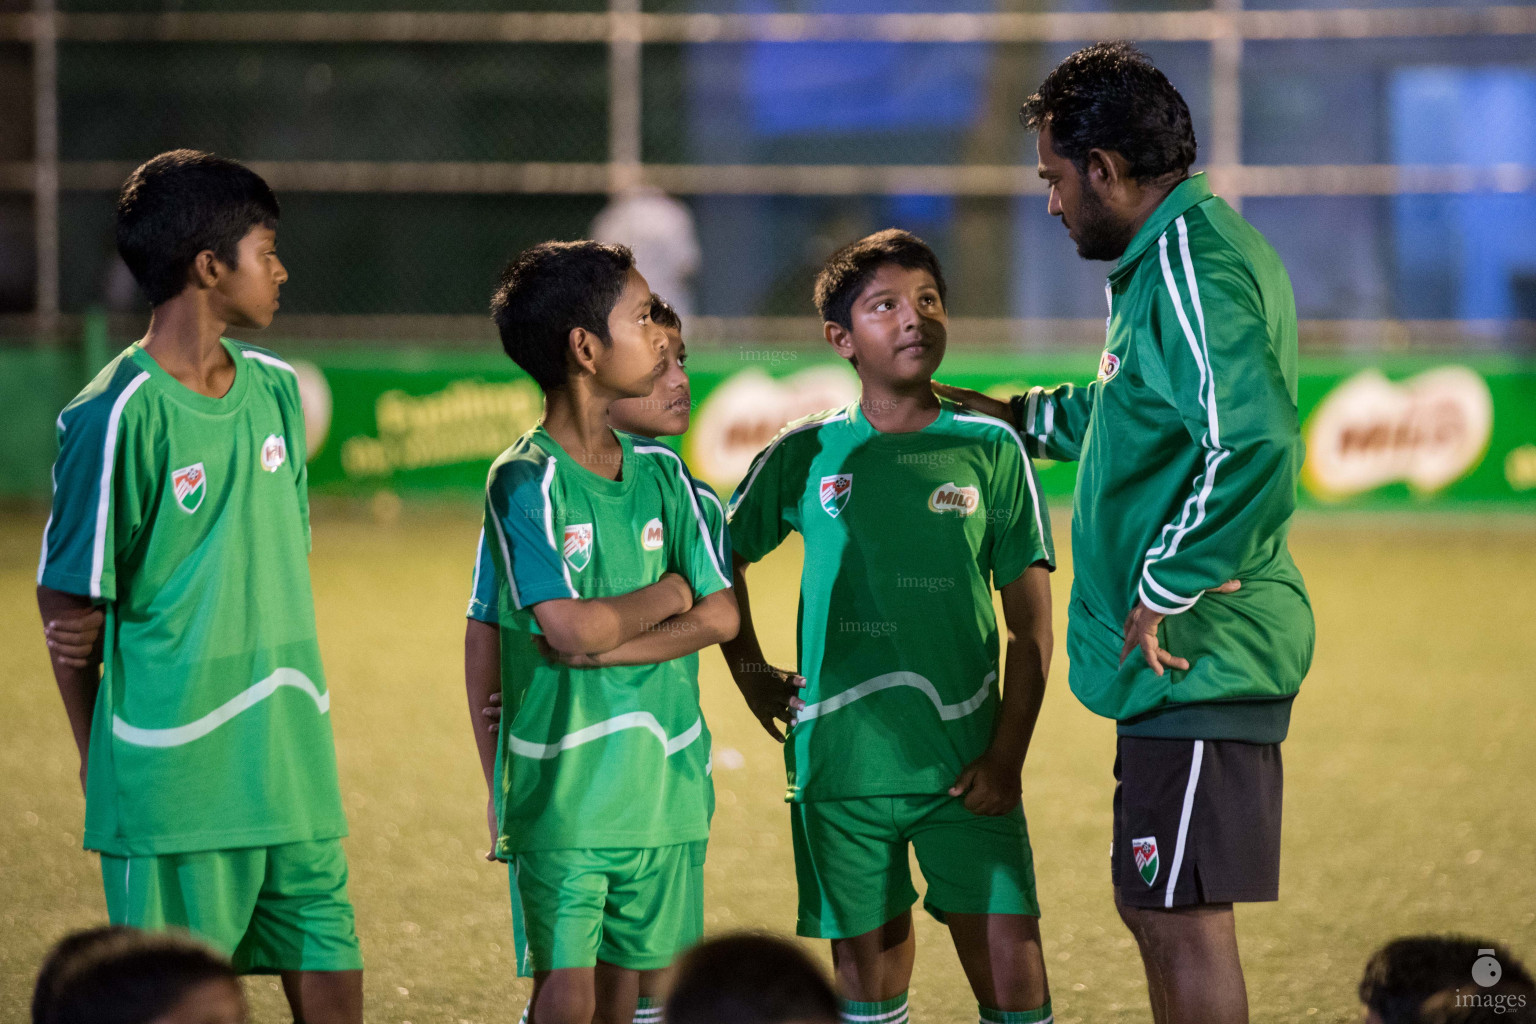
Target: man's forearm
482 677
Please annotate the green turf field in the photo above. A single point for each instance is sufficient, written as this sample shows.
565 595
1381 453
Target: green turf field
1411 778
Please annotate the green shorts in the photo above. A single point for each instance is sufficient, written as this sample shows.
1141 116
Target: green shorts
633 908
853 872
269 908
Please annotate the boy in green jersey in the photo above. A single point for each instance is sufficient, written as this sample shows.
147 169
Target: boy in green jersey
665 412
607 577
912 511
175 595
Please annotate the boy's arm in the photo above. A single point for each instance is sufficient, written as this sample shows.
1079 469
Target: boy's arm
712 620
72 628
990 784
771 693
482 679
593 625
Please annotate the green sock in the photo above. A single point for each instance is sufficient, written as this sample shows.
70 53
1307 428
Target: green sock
1039 1016
648 1011
891 1011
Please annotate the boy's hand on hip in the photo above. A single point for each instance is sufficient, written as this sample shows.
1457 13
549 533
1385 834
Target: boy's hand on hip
989 785
772 696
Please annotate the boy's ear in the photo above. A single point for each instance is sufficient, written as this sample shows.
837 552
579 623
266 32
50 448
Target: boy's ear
839 337
583 346
205 270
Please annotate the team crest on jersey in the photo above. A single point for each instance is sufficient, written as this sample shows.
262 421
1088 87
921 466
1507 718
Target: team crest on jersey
1109 365
190 485
651 536
578 545
835 491
952 498
274 452
1145 852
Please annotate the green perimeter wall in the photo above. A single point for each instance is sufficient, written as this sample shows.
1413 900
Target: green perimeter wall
1382 431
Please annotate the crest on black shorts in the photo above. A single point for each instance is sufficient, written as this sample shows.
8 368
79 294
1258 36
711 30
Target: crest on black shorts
1145 852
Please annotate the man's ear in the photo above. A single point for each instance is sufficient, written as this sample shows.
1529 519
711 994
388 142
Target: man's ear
206 270
839 337
1108 170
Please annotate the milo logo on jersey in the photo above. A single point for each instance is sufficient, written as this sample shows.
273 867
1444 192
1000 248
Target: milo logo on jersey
190 485
1109 365
1145 852
950 498
835 491
578 545
274 451
651 537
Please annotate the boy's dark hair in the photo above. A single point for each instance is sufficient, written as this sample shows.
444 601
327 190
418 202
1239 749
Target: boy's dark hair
549 290
1110 96
180 203
122 976
664 316
1405 972
749 979
845 274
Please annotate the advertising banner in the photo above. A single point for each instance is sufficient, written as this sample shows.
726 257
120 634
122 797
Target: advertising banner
1411 431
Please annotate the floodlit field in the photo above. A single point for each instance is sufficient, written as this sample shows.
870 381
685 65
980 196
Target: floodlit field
1410 804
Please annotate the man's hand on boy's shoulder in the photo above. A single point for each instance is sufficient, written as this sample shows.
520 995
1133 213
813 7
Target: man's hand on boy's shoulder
772 695
974 401
990 785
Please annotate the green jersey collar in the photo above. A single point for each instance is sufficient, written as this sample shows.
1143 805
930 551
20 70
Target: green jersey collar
865 431
1186 195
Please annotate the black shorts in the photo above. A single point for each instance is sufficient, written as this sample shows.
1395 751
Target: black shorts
1196 821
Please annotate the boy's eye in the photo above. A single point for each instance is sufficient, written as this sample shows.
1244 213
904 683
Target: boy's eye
884 305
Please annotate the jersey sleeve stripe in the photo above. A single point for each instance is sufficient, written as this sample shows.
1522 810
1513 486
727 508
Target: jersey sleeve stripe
704 492
693 503
762 460
262 357
1029 466
474 583
506 557
549 525
104 499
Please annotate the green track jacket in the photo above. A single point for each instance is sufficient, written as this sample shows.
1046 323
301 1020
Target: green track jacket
1189 448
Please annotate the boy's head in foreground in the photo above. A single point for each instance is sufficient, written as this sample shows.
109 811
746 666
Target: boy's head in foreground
188 220
665 411
123 976
579 311
750 979
881 301
1406 972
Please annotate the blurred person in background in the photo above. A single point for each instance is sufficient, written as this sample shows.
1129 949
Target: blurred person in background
1407 973
120 975
660 231
750 979
1189 622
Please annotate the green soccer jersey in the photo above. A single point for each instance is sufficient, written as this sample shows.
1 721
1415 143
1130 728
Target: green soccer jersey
188 517
596 757
905 535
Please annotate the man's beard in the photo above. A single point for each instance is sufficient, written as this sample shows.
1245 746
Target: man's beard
1099 235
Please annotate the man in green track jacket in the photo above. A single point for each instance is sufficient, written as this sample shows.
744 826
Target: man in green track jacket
1189 623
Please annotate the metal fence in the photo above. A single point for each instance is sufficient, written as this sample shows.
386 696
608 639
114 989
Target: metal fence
414 150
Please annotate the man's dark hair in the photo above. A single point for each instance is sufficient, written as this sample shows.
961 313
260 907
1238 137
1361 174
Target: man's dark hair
122 976
1110 96
749 979
1405 972
846 273
549 290
181 203
664 316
